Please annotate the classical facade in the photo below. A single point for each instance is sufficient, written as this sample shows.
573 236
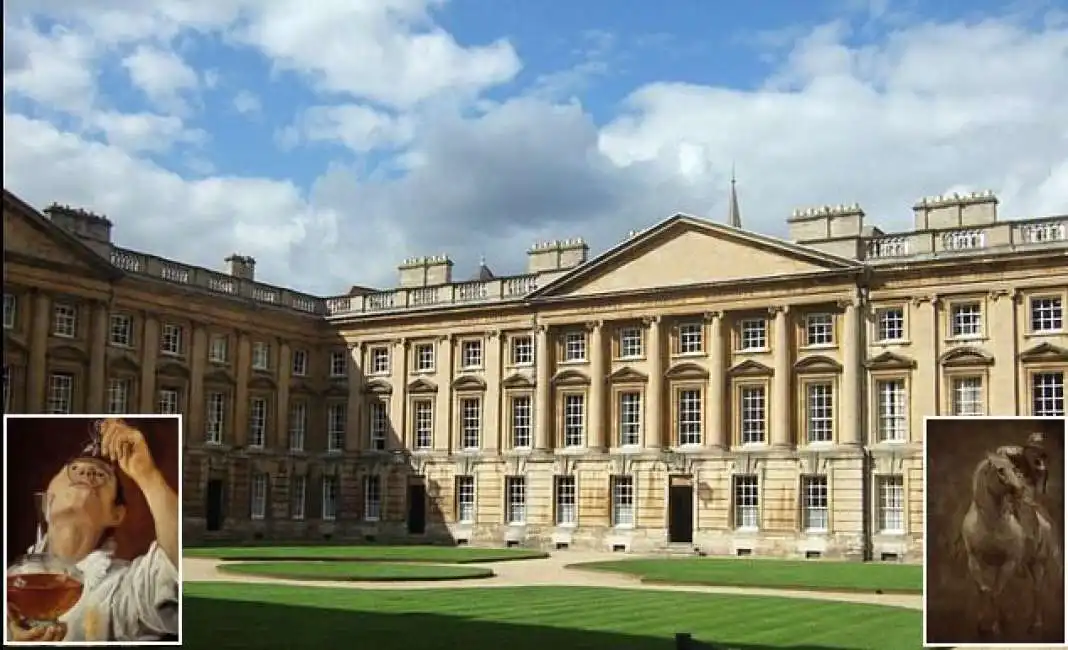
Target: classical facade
698 384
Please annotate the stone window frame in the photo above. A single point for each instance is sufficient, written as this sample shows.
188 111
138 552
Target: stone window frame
878 309
875 414
415 402
513 341
562 345
676 337
296 402
1029 296
744 376
803 328
614 481
267 398
12 312
676 388
76 320
457 501
878 476
418 347
557 479
802 483
622 383
948 310
738 326
475 343
620 334
132 339
77 393
182 338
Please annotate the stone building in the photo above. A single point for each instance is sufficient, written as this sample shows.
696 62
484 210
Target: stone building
697 384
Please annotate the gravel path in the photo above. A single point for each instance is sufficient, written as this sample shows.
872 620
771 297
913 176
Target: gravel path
545 572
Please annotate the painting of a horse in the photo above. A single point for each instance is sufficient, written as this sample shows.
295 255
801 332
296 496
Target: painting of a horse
994 528
1004 532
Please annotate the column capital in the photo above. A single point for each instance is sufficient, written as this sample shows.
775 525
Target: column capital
775 310
355 346
997 294
594 325
710 316
540 328
651 320
402 341
493 334
932 299
442 338
848 303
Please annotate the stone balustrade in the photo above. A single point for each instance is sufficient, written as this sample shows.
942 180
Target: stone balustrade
1014 235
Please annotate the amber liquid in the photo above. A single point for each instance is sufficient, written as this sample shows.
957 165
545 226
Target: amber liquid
42 596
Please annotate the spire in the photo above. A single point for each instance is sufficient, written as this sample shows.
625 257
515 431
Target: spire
734 214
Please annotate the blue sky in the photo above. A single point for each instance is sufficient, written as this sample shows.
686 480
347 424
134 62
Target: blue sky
270 128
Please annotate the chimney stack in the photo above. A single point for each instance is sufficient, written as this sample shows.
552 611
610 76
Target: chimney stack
242 267
91 228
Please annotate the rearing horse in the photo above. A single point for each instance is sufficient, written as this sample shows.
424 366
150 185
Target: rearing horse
1005 531
993 536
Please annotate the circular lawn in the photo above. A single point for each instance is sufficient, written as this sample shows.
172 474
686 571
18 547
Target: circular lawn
356 571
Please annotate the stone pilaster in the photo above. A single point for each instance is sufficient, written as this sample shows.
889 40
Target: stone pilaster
598 375
98 355
543 418
654 419
718 435
781 404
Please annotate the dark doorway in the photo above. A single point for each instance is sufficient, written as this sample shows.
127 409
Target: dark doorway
416 508
680 509
213 511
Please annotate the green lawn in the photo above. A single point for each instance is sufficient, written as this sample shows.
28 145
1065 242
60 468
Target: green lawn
439 554
773 574
357 571
219 615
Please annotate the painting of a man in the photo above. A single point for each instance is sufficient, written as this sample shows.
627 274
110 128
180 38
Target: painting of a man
84 504
994 529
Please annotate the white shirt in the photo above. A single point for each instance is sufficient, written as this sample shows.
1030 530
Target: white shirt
124 601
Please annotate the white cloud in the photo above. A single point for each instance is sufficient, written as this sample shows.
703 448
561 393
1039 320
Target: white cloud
360 128
144 132
247 103
161 75
929 108
53 68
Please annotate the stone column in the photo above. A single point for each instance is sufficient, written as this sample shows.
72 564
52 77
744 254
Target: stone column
98 355
150 353
193 418
717 435
543 419
354 411
781 404
243 370
281 407
852 358
396 437
37 368
654 418
598 376
443 429
492 398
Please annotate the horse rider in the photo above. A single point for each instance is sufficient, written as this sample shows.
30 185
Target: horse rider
1031 460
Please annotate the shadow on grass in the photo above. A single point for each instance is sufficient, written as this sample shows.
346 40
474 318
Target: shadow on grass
212 624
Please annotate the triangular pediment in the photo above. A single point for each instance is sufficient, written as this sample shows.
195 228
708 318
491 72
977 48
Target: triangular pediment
890 361
628 375
1044 352
687 251
966 356
750 368
31 237
422 386
817 363
518 381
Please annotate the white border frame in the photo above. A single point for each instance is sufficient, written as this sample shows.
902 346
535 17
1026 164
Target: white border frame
181 517
926 465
